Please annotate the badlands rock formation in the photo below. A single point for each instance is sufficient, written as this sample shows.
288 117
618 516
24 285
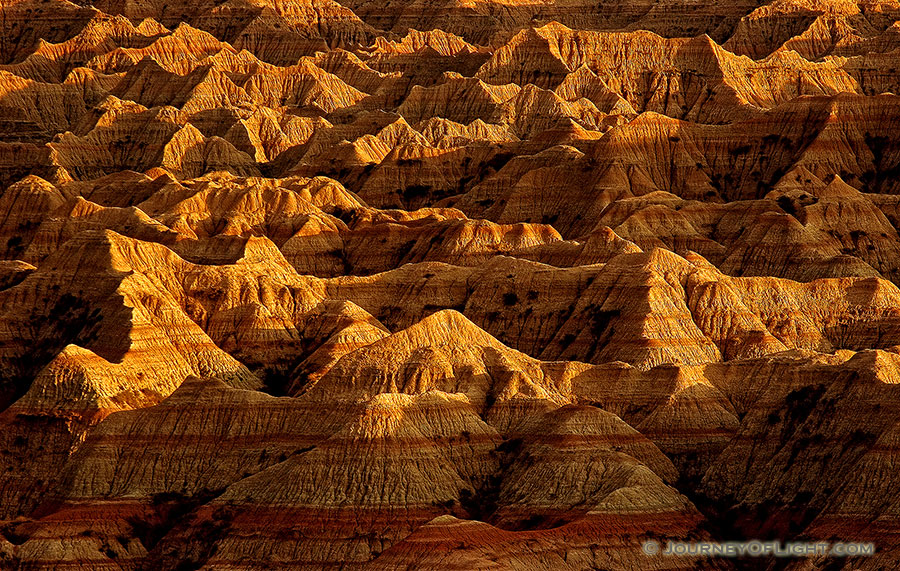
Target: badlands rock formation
344 284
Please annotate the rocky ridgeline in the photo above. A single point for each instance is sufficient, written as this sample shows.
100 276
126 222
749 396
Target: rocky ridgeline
467 285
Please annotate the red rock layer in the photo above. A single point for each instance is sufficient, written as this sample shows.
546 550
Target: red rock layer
309 284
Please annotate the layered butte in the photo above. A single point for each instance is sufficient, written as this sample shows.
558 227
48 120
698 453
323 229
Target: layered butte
474 285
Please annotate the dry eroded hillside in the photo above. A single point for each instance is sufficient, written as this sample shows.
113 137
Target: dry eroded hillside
490 284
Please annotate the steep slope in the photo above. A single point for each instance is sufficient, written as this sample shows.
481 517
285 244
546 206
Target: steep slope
480 284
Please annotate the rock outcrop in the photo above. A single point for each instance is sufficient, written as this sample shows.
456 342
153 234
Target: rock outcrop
491 284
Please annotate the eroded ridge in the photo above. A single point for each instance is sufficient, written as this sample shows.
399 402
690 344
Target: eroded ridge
495 284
